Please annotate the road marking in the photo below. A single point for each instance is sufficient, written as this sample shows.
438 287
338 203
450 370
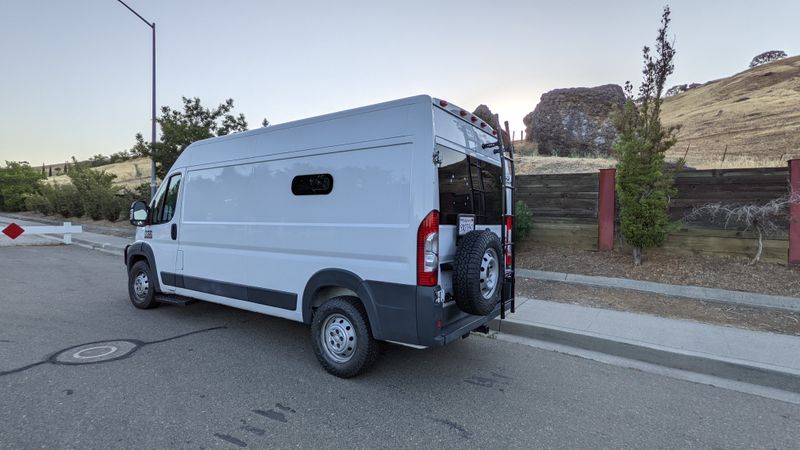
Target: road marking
110 349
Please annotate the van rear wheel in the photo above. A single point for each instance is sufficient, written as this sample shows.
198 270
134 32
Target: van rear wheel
341 337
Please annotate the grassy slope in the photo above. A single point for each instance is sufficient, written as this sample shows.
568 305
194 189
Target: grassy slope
756 113
129 173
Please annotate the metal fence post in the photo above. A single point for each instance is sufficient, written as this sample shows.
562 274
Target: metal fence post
67 236
606 206
794 214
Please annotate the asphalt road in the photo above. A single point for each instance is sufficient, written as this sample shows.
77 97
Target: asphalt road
242 379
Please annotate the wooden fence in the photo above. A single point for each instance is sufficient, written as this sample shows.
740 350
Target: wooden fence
564 208
573 197
560 197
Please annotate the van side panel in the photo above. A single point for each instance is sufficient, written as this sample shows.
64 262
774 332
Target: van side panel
242 224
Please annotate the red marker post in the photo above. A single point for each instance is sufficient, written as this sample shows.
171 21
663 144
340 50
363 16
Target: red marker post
606 207
794 214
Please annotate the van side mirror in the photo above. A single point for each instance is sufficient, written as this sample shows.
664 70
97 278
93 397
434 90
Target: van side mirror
139 213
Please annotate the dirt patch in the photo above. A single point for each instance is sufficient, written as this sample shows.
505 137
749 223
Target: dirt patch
730 273
717 313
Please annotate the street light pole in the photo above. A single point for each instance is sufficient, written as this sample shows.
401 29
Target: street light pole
153 112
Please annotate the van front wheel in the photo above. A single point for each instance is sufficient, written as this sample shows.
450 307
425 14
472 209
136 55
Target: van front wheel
341 337
140 286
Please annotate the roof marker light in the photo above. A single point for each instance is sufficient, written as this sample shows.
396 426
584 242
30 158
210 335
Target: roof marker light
483 124
443 103
494 132
463 113
473 119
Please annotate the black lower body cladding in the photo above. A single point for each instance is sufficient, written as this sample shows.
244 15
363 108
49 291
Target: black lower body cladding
414 315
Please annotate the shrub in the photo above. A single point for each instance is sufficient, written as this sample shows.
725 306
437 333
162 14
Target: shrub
523 221
113 206
141 192
67 201
17 181
97 192
39 203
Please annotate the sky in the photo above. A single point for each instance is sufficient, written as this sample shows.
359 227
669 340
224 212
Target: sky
75 75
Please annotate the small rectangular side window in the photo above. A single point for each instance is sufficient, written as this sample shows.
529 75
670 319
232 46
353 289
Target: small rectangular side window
315 184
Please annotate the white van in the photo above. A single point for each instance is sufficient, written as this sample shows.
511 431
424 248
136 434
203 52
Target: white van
390 222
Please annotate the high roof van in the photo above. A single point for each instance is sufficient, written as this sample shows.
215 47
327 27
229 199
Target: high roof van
390 222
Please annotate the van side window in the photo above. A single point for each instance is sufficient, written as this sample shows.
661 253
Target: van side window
316 184
167 201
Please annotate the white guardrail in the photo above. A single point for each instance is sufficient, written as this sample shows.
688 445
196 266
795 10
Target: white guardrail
14 231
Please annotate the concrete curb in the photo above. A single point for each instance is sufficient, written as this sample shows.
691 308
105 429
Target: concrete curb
105 248
693 292
732 369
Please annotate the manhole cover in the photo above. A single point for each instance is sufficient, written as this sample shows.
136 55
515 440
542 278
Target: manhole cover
95 352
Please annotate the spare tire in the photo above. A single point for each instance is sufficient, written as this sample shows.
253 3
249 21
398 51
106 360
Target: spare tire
478 272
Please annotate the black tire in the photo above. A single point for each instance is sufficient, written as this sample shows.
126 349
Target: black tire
141 298
354 327
473 254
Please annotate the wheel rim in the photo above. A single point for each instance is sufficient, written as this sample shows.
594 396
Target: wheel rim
141 285
338 338
490 273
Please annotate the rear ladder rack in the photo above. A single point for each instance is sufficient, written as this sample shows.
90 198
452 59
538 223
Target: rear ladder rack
507 239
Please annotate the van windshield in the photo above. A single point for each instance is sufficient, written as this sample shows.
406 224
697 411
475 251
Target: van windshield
468 185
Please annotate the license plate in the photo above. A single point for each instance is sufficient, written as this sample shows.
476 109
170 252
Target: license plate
466 223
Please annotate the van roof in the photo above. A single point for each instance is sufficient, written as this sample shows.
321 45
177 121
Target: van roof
186 159
334 115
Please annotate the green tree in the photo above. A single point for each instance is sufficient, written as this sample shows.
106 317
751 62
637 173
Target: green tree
181 128
644 186
17 181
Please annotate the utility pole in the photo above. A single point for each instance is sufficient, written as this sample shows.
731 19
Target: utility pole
152 25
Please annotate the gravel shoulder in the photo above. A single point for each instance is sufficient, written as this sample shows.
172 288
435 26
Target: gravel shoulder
696 270
717 313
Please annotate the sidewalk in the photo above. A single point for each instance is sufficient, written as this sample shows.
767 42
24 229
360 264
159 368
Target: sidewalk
694 292
103 242
754 357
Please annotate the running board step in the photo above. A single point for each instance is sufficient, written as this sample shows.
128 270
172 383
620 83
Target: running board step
177 300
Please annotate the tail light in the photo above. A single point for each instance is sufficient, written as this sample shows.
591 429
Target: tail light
508 250
428 250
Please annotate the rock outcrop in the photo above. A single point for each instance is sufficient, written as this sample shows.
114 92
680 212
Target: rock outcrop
485 114
575 121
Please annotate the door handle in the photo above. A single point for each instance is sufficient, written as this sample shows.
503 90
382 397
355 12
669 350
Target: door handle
173 232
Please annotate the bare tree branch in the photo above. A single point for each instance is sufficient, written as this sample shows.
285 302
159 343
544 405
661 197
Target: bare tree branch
766 219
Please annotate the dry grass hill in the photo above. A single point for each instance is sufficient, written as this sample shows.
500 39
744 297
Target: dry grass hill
755 114
129 173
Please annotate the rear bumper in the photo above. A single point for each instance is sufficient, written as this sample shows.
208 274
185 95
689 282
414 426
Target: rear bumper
416 315
439 324
459 326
